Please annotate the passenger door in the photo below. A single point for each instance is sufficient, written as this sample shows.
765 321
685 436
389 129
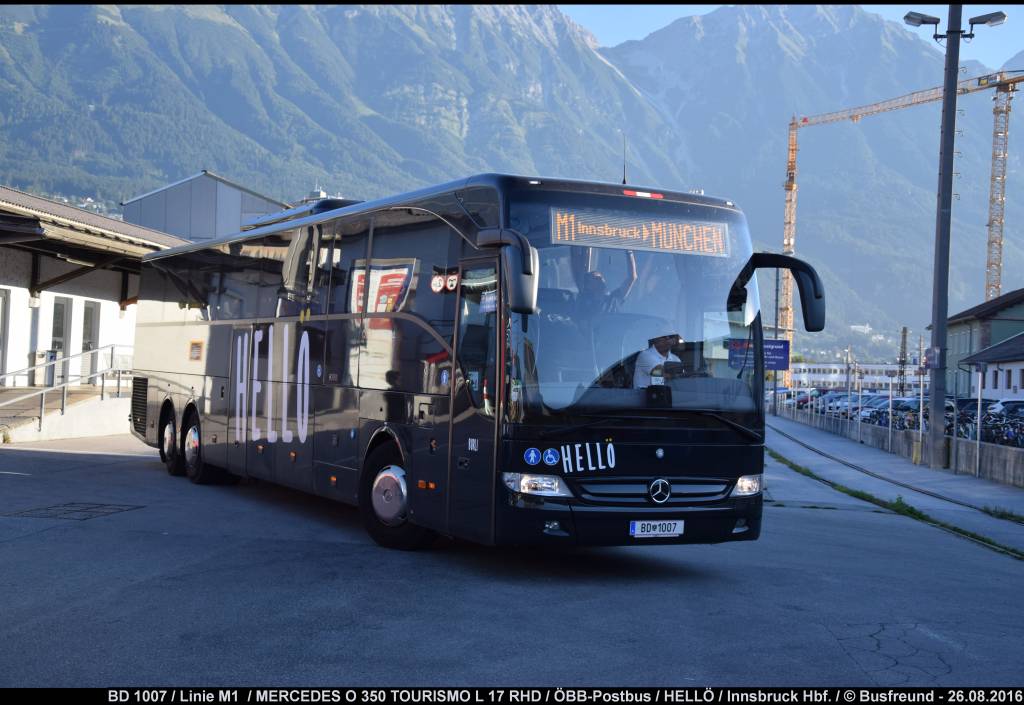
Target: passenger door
474 403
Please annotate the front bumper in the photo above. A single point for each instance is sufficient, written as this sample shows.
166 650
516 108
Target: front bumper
525 520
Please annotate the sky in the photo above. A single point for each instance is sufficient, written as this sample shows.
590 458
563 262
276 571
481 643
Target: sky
993 46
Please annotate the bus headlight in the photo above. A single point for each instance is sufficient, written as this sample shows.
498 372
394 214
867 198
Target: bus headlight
748 485
544 485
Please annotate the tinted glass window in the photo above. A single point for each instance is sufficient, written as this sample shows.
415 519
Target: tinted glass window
291 272
240 280
483 206
414 271
342 255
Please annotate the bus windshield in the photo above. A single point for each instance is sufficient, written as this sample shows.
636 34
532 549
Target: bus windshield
637 309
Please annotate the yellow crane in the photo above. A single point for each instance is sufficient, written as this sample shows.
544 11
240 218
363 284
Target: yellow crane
1004 84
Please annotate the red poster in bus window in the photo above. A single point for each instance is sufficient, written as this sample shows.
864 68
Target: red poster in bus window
391 281
390 284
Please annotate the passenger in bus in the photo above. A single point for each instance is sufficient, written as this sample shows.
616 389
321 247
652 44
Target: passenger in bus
650 364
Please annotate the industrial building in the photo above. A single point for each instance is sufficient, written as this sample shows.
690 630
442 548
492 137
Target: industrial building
833 375
976 329
1003 365
200 207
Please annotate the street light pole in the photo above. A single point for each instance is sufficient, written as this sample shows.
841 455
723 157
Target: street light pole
775 373
940 275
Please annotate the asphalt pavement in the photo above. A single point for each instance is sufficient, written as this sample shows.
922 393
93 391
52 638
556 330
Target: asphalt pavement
146 579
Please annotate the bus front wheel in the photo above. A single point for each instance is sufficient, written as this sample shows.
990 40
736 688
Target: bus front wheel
384 503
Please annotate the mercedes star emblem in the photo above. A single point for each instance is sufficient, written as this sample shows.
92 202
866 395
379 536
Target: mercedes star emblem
660 490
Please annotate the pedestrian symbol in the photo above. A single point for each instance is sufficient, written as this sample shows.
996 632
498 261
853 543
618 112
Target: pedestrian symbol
551 457
531 456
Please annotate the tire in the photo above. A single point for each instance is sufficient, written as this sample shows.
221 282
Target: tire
387 521
197 470
170 451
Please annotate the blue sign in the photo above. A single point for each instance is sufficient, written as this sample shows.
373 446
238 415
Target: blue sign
741 354
531 456
444 378
551 457
776 354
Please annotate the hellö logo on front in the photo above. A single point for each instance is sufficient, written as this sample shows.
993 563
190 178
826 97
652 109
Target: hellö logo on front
588 457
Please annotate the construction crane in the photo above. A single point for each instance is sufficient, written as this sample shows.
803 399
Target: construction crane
1004 84
997 189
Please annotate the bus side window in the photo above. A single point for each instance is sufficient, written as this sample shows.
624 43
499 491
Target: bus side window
273 250
296 284
240 280
343 257
347 259
414 270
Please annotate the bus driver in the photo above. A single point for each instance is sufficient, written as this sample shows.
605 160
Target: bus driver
650 364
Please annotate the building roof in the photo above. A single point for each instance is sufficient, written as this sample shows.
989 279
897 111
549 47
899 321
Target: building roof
63 220
989 308
217 177
1009 350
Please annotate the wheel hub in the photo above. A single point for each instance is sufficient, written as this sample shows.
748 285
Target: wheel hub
389 495
168 440
192 446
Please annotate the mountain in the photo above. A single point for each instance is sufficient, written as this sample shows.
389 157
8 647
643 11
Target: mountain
111 101
866 198
370 100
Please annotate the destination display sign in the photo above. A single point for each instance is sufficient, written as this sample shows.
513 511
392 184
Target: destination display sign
633 231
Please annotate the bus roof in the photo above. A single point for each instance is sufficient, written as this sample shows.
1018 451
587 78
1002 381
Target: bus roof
500 182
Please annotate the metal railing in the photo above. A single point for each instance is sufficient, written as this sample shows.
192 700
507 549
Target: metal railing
112 369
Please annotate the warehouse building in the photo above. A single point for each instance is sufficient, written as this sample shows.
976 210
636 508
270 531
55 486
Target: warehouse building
201 207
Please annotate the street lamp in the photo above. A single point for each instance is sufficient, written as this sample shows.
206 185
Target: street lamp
940 273
982 368
992 19
916 19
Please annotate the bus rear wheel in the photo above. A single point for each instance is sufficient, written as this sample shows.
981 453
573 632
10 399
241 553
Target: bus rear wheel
192 451
169 444
384 504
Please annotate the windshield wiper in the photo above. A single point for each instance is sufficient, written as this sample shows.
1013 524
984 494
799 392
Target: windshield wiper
748 432
595 420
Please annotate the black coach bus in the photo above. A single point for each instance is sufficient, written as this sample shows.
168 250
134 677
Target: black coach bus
503 359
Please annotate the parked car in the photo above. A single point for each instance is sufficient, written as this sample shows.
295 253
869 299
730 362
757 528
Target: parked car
802 396
821 405
878 402
1004 406
832 407
968 404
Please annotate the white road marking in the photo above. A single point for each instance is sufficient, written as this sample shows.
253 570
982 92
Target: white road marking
5 472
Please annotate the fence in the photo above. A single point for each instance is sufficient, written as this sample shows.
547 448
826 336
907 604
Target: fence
999 463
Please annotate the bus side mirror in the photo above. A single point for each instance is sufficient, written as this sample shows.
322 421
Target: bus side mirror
812 291
520 264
